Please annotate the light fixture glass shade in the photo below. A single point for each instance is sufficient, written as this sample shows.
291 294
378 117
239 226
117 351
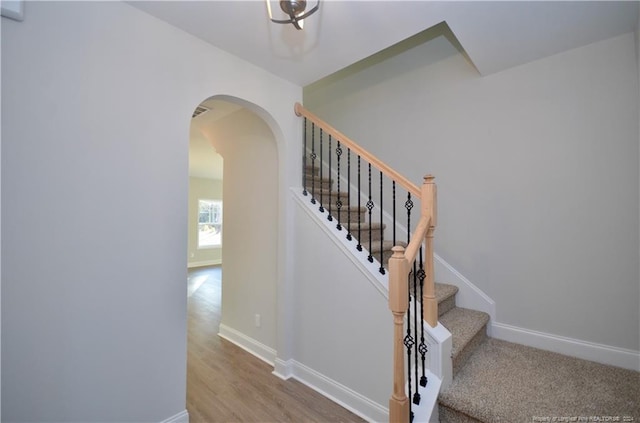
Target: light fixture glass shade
293 12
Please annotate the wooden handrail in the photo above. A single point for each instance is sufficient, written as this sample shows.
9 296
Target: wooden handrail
411 251
379 164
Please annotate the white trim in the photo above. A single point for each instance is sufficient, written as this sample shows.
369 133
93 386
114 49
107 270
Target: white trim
369 270
283 369
605 354
427 410
340 394
440 343
204 263
250 345
181 417
469 295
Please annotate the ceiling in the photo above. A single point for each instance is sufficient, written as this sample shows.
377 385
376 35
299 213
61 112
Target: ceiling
495 35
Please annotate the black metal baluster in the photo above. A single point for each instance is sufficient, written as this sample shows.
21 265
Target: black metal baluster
382 263
349 236
422 348
359 246
338 200
321 182
394 212
416 395
408 343
329 217
313 162
304 159
370 208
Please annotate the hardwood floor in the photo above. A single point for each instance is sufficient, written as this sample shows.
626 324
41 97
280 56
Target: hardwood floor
227 384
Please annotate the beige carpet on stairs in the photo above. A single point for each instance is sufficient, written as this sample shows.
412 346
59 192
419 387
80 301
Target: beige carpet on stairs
506 382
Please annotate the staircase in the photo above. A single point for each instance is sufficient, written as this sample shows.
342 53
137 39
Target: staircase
493 380
353 218
498 381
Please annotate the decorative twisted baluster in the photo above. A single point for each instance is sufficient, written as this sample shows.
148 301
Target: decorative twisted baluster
304 159
338 200
349 237
321 179
329 216
370 208
414 277
382 263
359 246
313 162
394 212
422 347
409 342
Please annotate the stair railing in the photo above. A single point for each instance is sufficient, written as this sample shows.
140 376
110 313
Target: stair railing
410 269
400 264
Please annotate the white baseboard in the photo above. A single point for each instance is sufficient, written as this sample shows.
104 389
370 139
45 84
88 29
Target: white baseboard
203 263
283 369
181 417
340 394
605 354
258 349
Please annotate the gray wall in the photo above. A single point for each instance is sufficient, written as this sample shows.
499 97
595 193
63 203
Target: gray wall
97 100
537 168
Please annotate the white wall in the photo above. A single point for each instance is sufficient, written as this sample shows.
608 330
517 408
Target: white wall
343 325
97 103
201 189
250 235
537 168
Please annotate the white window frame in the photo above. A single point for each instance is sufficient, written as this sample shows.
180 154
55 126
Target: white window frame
213 219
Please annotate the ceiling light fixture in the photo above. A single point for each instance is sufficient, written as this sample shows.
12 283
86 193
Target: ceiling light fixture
295 10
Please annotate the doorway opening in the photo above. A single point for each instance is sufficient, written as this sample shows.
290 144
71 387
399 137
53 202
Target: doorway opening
233 236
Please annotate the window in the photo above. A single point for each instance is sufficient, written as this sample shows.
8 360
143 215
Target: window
209 223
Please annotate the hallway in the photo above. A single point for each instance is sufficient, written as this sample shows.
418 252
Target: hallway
227 384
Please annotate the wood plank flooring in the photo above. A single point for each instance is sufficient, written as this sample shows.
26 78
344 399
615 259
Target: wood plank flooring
227 384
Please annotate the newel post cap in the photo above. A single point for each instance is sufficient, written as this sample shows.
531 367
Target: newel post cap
428 179
398 252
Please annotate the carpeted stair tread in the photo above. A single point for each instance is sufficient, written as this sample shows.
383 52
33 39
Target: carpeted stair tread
446 297
377 246
468 328
328 193
506 382
364 226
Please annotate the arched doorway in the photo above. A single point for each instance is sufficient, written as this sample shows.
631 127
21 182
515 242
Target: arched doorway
246 311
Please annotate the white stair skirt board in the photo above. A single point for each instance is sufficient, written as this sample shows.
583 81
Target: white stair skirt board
605 354
250 345
370 270
427 411
440 343
181 417
340 394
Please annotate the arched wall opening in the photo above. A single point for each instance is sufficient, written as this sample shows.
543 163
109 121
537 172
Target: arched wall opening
243 134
